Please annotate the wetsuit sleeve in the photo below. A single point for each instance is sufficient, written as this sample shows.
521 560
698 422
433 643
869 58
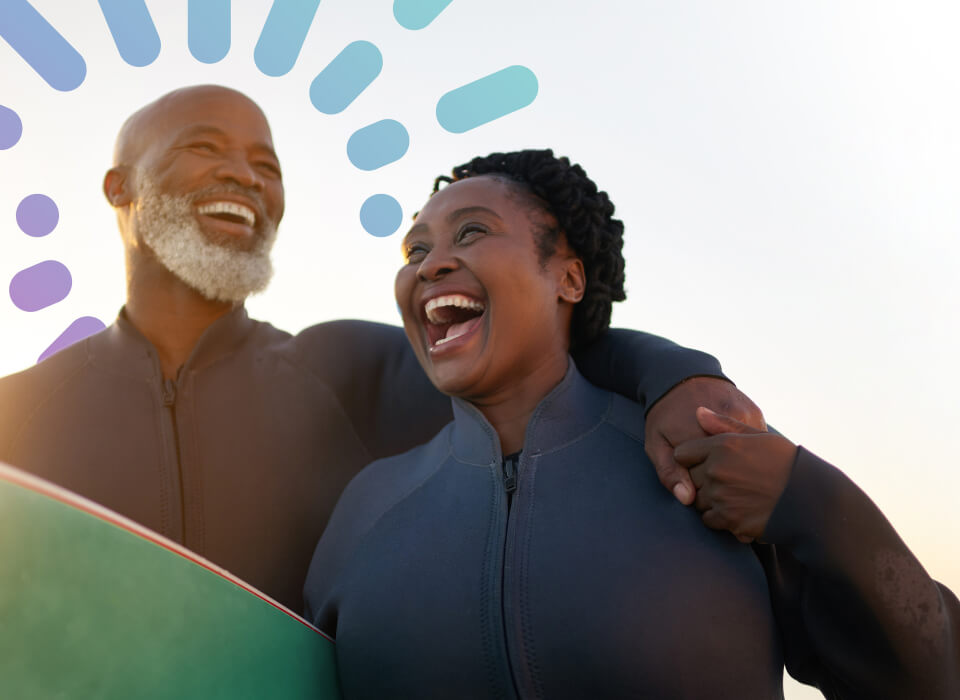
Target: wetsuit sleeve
379 383
859 616
641 366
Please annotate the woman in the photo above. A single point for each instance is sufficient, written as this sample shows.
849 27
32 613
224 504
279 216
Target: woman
523 552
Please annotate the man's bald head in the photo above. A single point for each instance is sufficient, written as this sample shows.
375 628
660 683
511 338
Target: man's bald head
148 122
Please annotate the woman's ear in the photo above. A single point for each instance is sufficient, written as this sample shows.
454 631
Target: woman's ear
573 280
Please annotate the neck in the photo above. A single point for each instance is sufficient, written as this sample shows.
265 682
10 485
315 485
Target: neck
171 315
510 408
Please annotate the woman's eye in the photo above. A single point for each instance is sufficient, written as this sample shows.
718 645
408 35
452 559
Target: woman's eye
468 233
415 253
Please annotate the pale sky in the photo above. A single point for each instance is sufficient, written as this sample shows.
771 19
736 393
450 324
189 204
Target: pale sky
787 173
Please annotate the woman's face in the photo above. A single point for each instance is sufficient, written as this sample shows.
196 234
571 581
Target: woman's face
481 310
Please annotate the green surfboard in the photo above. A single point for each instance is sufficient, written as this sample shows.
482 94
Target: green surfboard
93 605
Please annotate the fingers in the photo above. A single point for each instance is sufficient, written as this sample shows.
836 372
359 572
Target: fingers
672 475
737 405
693 452
714 423
717 518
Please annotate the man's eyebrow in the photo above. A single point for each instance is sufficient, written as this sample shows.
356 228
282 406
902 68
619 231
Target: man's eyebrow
200 129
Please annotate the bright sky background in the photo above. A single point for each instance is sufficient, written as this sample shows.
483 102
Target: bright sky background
787 173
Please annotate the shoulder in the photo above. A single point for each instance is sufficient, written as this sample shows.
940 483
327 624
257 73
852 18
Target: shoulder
346 330
345 344
46 376
384 483
23 392
626 416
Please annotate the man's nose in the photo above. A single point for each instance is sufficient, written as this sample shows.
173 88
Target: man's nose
438 262
237 168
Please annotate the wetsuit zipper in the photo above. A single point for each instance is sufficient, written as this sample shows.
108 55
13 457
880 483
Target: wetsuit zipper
170 400
510 468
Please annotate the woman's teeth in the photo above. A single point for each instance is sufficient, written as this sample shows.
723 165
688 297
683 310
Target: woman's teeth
451 316
439 309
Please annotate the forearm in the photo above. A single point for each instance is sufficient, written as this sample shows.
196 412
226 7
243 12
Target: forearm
642 366
859 615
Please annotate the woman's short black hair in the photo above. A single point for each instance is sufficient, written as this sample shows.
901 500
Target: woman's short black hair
584 216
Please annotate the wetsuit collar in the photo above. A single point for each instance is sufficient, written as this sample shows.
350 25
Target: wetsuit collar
571 409
130 353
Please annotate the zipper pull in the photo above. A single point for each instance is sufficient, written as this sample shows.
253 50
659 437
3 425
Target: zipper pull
510 474
169 392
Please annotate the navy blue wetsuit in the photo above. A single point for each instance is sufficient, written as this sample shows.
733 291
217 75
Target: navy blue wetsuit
447 573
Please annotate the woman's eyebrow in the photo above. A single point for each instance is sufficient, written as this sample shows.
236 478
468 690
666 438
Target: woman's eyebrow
451 217
414 230
465 211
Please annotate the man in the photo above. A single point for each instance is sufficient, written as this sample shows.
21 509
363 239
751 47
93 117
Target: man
226 434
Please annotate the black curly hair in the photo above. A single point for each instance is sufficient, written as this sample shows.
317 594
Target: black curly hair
584 216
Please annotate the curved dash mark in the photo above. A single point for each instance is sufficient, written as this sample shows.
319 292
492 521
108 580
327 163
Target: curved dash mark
41 46
133 30
283 35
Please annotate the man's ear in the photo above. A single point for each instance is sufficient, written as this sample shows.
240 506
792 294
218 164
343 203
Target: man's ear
573 281
117 187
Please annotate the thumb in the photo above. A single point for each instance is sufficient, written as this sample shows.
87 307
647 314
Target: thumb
715 423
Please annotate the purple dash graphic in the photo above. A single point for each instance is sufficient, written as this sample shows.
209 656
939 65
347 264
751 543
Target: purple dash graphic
11 128
41 46
76 331
208 29
37 215
48 282
40 285
283 35
133 30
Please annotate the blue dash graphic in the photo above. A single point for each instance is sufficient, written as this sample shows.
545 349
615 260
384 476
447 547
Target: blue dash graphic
345 77
417 14
487 99
283 35
41 46
381 215
133 30
208 29
379 144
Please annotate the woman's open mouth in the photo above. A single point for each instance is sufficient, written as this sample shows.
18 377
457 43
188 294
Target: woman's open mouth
451 317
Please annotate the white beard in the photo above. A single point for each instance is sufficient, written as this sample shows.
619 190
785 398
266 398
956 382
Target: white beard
168 226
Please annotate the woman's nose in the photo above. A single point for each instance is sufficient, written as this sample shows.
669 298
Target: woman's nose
436 264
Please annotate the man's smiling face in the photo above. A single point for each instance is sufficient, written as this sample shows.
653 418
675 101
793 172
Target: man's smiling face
206 189
214 146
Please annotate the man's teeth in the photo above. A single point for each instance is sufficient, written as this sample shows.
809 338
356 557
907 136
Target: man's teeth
458 300
234 208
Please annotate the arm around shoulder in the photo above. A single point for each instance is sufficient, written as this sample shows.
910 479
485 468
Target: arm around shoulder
860 616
